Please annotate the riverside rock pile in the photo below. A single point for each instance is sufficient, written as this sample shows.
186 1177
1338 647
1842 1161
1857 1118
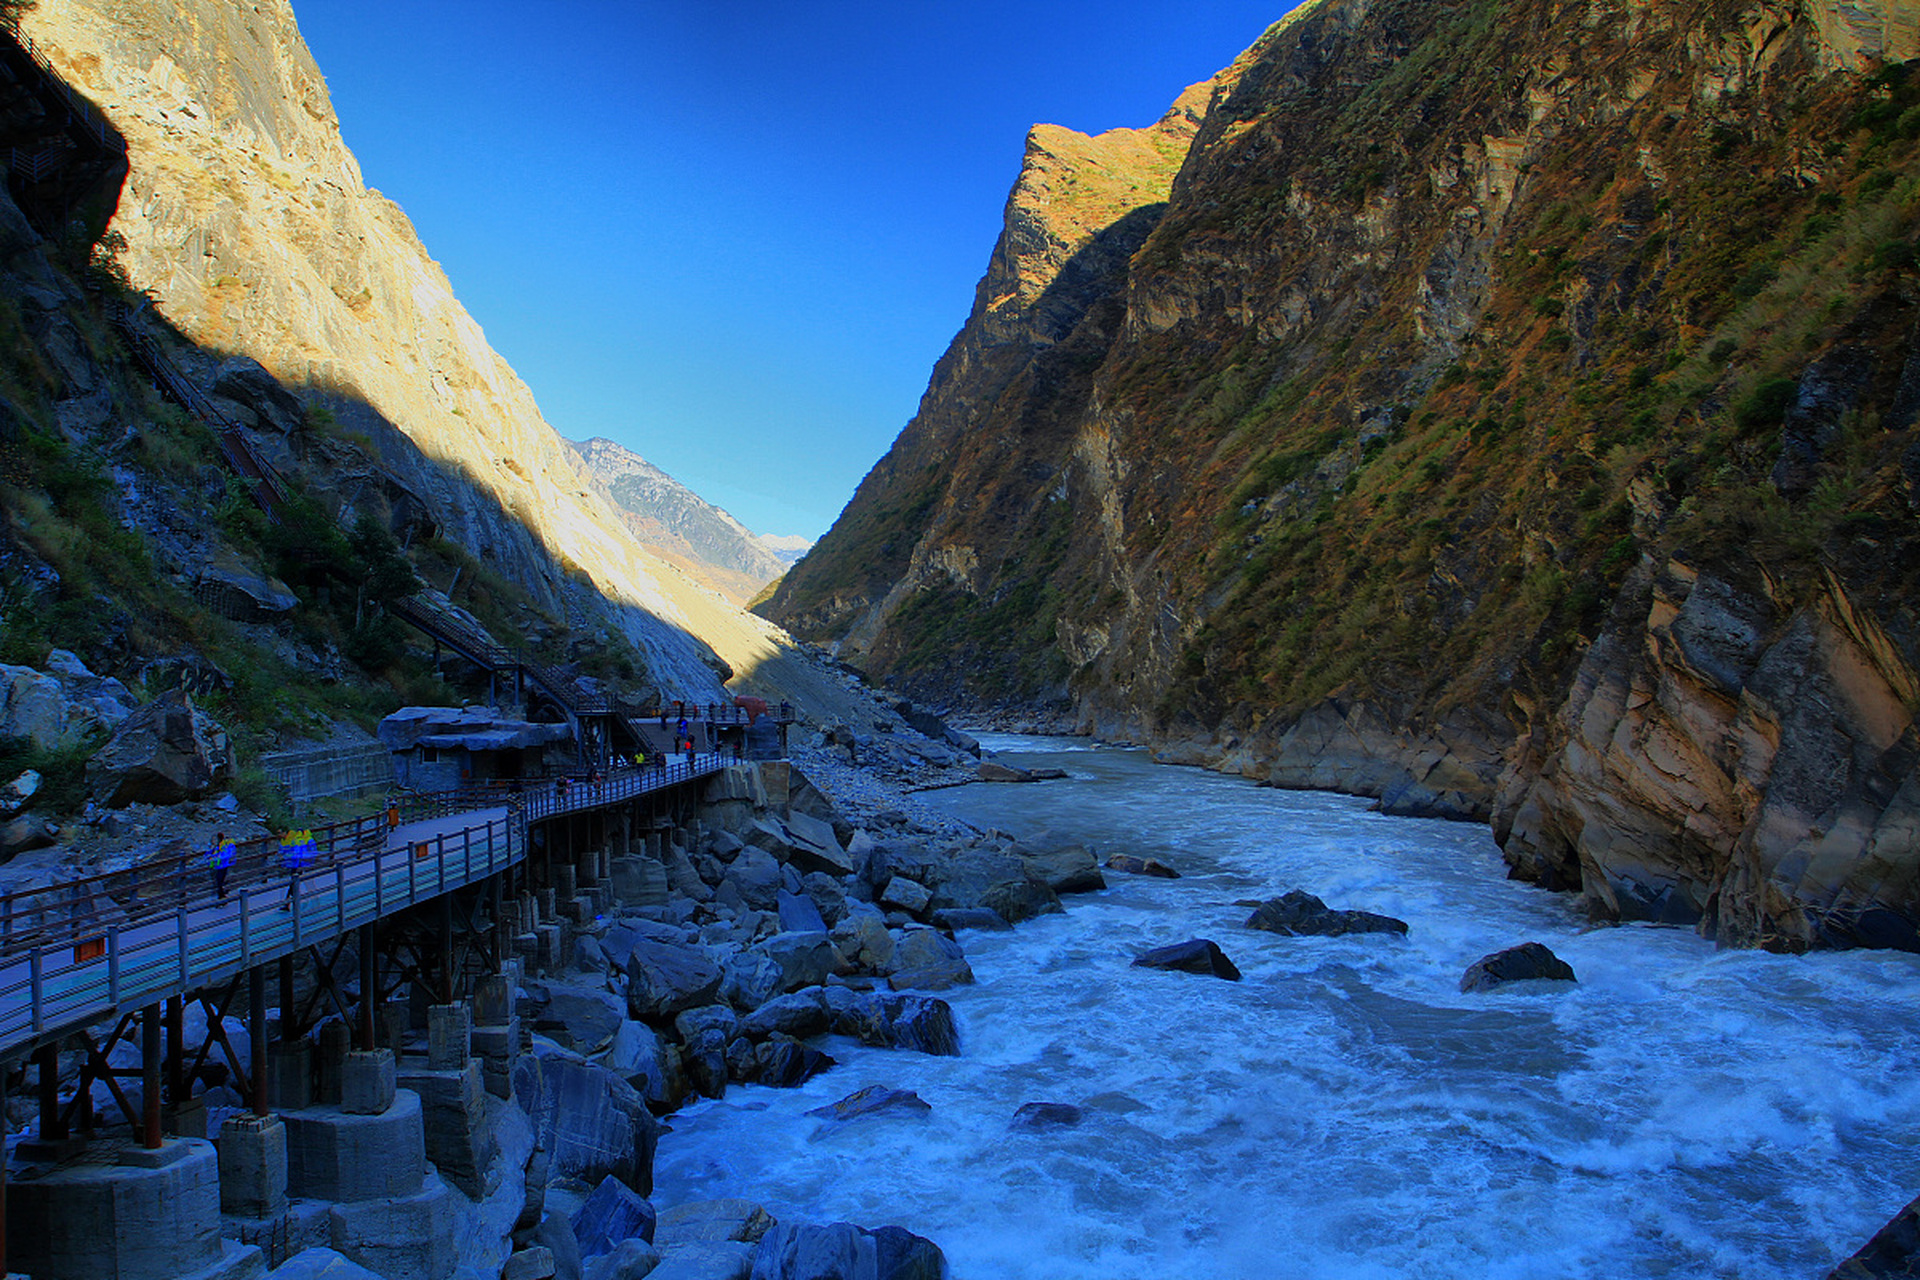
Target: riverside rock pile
738 943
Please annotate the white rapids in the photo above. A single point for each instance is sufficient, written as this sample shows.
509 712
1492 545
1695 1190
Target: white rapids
1345 1111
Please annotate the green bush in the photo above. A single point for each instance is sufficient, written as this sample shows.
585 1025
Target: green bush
62 770
1767 405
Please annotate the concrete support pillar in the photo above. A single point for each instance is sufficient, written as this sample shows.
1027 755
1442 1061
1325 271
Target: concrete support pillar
449 1037
253 1166
492 1000
367 1082
391 1026
566 883
149 1215
335 1041
290 1067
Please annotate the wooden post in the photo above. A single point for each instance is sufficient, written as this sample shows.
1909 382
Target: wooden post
52 1126
446 948
3 1182
176 1053
286 999
257 1038
369 982
150 1077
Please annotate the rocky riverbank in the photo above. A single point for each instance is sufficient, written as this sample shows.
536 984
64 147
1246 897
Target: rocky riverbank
744 942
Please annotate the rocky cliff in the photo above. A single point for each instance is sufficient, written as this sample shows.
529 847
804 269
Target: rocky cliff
1503 409
246 220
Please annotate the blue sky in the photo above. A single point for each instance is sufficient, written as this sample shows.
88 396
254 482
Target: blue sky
735 237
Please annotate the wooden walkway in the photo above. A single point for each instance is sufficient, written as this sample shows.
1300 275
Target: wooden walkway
72 955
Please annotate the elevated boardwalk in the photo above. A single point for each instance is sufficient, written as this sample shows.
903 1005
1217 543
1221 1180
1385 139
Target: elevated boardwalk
76 954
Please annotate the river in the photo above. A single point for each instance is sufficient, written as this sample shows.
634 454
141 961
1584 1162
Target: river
1345 1111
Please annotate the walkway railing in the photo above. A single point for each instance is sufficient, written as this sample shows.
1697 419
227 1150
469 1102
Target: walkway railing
109 955
74 952
81 114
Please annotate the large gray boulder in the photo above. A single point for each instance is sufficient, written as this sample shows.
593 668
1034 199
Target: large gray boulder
874 1100
1068 869
61 705
590 1122
979 876
322 1264
711 1222
637 1055
1892 1254
863 939
1300 914
755 874
842 1251
612 1213
928 960
805 959
894 1020
1195 955
799 1014
751 979
163 754
630 1259
592 1015
799 913
1530 961
665 977
804 842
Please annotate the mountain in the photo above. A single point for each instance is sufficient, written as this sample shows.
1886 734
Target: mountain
307 302
1503 409
677 524
787 547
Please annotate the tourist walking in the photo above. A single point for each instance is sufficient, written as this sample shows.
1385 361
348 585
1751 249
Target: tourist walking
296 850
220 860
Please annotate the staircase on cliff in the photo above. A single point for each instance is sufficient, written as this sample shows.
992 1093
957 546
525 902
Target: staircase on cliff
597 725
63 159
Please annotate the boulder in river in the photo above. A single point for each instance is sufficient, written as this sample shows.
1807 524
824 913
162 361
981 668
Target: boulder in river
894 1020
1047 1115
1134 865
993 771
1195 955
805 959
928 960
1068 869
590 1122
612 1213
1527 962
783 1063
874 1100
954 919
842 1251
1299 913
1893 1252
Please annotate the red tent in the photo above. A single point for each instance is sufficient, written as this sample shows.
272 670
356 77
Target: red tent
754 707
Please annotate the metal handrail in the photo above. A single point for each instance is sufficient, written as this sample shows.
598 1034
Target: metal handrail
52 988
78 108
